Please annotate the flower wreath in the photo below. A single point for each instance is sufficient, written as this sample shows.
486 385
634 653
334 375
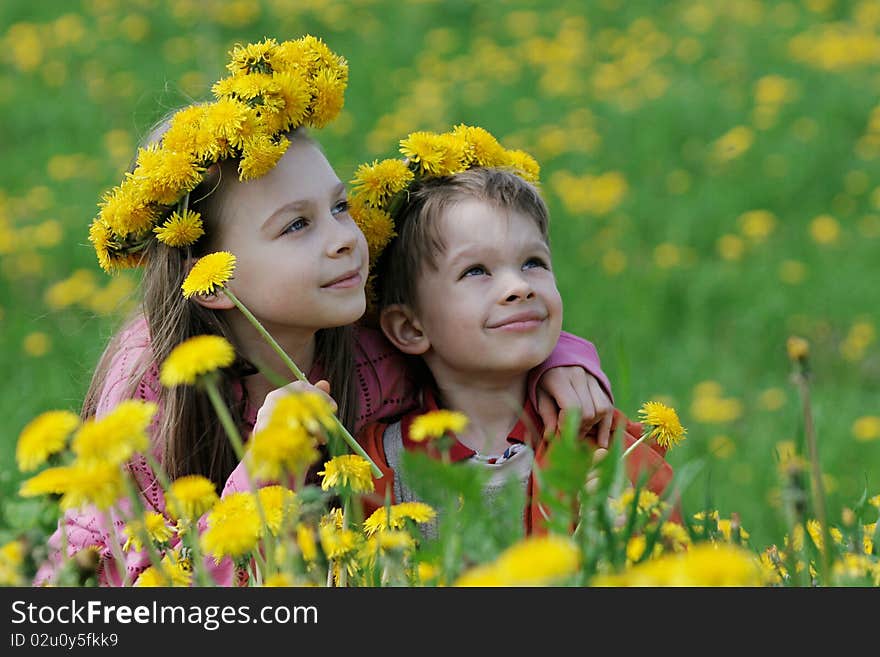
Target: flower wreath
272 89
378 189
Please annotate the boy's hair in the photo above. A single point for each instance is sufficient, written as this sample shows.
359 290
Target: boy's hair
418 238
192 440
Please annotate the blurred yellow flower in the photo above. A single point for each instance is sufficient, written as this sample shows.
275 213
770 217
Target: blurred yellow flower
234 527
703 564
278 504
533 561
210 271
36 344
309 410
757 224
349 470
792 272
276 450
94 482
866 428
824 229
44 436
772 399
797 347
733 143
435 424
305 540
195 358
188 497
116 436
415 511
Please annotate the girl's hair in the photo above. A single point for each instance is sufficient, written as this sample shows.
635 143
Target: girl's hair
193 440
418 237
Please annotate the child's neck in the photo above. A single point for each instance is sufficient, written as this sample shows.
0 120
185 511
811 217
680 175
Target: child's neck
493 407
298 344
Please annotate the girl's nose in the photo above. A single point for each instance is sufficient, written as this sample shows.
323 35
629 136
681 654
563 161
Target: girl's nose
342 237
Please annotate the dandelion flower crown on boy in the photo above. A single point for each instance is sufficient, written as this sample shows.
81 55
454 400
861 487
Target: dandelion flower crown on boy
463 280
177 436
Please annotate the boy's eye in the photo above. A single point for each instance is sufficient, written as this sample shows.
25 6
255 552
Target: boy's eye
295 226
340 207
535 262
476 270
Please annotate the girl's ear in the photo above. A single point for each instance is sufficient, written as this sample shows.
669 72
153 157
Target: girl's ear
403 329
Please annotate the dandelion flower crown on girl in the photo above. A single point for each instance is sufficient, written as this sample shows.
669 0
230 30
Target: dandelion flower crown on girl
272 89
379 189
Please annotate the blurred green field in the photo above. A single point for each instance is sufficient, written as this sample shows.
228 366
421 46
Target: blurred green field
712 169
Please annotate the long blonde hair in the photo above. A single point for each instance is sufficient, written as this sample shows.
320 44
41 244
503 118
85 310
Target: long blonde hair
192 439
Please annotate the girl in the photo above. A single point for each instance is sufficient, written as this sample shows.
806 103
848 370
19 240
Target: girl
301 269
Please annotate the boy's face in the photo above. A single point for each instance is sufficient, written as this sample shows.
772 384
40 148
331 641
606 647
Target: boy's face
491 306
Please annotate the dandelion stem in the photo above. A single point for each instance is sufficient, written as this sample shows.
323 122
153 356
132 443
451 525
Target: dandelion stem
225 416
352 443
116 549
634 445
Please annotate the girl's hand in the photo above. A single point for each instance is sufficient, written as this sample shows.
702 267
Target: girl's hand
265 413
573 388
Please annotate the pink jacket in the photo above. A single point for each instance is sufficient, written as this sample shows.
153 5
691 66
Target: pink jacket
385 391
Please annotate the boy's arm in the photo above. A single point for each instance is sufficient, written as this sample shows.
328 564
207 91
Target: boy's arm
572 377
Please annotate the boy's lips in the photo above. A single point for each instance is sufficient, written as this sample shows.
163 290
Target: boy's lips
519 321
348 279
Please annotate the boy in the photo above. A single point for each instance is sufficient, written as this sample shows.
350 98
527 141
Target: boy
467 286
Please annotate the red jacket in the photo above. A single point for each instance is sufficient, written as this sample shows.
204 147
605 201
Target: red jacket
646 458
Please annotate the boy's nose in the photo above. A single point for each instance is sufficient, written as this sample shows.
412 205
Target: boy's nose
517 288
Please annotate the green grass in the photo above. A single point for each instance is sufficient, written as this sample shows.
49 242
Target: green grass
660 331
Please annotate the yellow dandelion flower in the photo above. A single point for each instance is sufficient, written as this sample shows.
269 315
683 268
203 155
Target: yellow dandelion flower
815 531
180 229
333 518
260 155
155 527
188 497
79 484
423 149
195 358
226 119
523 164
675 537
234 527
309 410
163 175
376 183
211 271
454 154
295 92
152 577
349 470
635 547
540 560
278 503
177 568
252 58
337 543
394 541
278 450
117 435
328 99
42 437
305 540
483 149
279 580
663 423
798 348
725 526
380 519
376 225
484 576
11 561
434 424
704 564
125 211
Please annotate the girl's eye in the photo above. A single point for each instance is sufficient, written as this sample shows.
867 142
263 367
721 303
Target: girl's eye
340 208
295 226
535 262
476 270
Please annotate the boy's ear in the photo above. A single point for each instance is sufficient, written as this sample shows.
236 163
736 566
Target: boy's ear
403 329
214 301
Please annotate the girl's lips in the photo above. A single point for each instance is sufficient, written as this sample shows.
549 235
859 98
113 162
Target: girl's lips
352 280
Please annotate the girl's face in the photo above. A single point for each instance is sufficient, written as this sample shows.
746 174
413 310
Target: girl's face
301 259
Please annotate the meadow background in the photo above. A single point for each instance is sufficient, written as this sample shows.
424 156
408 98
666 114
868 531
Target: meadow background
712 169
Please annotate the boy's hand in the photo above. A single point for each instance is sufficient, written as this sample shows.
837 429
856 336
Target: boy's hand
265 413
562 388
